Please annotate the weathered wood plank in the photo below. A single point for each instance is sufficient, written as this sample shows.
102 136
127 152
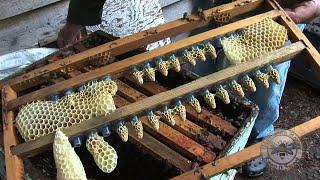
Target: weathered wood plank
243 156
175 139
14 164
9 8
24 31
186 127
205 118
143 38
119 66
275 57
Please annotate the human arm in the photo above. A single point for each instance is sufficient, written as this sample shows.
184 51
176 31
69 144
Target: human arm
80 14
301 11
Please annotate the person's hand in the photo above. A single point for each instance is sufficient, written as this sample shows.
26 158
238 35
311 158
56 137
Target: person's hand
301 11
69 34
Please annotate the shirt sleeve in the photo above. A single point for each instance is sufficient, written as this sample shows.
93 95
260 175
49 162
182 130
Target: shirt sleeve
85 12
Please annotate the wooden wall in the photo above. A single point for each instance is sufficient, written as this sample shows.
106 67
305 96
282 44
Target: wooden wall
23 23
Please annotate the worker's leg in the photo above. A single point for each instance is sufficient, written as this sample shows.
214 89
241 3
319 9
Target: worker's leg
268 101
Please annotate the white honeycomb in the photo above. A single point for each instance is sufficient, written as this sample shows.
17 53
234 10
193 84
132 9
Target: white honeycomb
138 128
104 155
274 74
174 63
168 115
154 120
138 76
122 131
150 73
69 165
262 78
181 111
248 84
194 102
209 99
44 117
236 88
223 95
254 41
163 67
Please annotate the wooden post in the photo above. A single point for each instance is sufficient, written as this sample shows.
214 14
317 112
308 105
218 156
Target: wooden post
14 164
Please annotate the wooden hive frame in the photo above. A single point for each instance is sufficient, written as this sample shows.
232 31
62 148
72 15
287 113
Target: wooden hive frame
15 151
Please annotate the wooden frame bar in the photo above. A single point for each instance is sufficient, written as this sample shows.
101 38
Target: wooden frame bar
243 156
277 56
14 164
124 65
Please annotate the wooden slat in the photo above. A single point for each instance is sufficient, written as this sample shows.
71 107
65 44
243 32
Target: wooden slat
14 164
132 42
206 118
277 56
123 65
186 127
174 138
11 8
160 151
24 31
243 156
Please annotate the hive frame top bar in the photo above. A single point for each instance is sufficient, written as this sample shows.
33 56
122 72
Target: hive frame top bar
300 44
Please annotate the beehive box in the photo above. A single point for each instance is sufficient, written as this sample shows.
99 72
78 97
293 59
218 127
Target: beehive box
180 141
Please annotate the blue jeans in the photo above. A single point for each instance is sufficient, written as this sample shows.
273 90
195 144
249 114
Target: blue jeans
268 101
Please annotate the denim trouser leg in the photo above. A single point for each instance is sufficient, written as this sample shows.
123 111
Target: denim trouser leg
268 101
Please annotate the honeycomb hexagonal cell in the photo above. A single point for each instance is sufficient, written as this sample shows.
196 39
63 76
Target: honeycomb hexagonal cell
104 155
254 41
44 117
68 163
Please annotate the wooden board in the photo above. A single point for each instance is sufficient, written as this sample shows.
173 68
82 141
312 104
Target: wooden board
243 156
277 56
26 30
11 8
119 66
14 164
